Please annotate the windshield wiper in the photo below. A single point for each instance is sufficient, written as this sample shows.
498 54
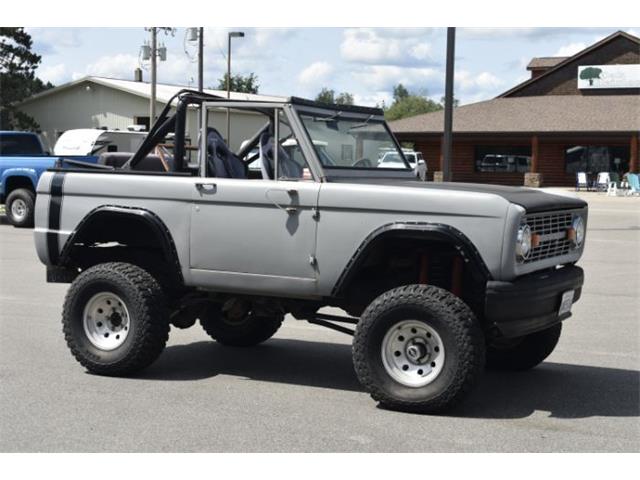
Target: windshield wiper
360 125
327 119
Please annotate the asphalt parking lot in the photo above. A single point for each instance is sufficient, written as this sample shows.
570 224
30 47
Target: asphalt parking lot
298 391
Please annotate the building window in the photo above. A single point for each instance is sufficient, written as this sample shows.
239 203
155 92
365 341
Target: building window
594 159
506 158
142 121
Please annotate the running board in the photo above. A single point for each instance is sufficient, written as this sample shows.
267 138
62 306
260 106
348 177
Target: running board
325 320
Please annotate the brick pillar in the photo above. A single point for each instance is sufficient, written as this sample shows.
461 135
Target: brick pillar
533 178
633 158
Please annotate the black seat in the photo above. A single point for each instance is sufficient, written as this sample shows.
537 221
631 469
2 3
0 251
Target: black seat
222 162
288 168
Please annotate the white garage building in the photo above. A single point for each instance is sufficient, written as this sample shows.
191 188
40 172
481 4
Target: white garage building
98 102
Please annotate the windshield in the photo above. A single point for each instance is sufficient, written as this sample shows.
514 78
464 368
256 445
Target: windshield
352 142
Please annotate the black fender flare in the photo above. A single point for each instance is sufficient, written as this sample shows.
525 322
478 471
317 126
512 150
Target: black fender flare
151 219
421 230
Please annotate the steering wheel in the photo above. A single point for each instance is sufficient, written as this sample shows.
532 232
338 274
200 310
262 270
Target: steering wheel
363 163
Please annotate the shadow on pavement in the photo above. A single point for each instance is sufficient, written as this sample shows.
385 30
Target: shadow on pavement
564 390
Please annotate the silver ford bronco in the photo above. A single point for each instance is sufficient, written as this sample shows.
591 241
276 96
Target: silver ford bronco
433 280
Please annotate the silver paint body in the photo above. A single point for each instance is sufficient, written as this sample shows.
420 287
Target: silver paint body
235 235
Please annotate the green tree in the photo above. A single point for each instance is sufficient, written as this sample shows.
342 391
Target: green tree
326 96
456 102
18 80
400 92
590 73
344 98
407 104
240 83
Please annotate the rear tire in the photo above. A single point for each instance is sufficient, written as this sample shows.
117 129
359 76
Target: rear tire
523 353
19 207
418 348
114 319
246 331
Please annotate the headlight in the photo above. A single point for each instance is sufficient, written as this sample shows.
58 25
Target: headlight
576 235
523 243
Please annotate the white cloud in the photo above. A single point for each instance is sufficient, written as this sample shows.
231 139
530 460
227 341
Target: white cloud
120 65
373 98
381 46
570 49
315 74
466 81
55 74
533 33
50 40
384 77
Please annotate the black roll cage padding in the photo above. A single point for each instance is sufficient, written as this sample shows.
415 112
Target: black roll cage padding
177 121
253 142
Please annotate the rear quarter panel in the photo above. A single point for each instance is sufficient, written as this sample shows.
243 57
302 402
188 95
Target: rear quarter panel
168 197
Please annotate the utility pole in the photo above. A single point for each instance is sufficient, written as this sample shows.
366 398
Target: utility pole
201 59
154 65
447 140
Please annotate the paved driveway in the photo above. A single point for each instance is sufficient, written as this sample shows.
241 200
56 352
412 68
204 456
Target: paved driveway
298 392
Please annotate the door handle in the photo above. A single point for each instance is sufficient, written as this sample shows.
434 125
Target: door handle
290 209
206 187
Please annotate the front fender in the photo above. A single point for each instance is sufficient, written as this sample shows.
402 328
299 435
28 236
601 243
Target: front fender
427 231
18 172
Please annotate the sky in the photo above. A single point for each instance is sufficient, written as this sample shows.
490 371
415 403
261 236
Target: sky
366 62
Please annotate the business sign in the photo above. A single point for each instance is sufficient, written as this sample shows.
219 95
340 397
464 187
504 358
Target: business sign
609 76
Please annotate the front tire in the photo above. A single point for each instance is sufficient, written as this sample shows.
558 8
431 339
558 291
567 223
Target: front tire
523 353
19 207
114 319
244 329
418 348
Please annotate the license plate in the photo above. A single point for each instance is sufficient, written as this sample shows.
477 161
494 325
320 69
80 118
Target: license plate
566 302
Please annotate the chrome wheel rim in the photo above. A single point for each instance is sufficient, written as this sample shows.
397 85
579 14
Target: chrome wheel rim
106 321
413 353
18 209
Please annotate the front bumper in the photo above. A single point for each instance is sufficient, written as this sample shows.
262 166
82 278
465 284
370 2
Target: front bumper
532 302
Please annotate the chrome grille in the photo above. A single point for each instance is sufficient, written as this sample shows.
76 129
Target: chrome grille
552 229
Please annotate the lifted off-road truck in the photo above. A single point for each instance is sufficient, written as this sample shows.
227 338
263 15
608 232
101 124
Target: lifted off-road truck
436 279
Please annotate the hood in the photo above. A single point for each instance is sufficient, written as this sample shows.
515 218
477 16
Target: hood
532 200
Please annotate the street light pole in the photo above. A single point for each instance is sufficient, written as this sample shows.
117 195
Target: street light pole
448 106
154 64
231 35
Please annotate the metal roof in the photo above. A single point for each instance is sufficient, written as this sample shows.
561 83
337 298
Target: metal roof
143 89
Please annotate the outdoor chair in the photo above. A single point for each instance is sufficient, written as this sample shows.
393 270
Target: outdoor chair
634 184
614 182
602 181
581 181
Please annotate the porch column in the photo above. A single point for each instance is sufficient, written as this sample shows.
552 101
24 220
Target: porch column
633 158
438 175
533 178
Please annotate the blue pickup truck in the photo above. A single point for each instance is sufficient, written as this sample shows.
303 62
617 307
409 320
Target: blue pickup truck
22 160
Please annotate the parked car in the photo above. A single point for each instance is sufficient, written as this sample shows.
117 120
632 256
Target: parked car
22 160
415 159
438 279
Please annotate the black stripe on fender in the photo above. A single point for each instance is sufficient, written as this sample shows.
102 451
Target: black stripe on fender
55 207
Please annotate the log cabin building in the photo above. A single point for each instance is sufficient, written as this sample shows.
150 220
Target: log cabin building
575 114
